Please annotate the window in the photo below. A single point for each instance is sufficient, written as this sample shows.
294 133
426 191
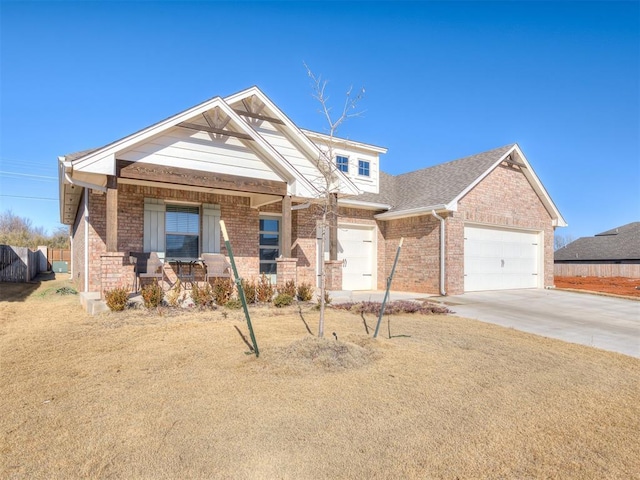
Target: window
342 163
180 231
363 168
269 244
182 227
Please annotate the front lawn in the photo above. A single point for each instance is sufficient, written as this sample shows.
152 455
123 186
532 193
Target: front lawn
165 395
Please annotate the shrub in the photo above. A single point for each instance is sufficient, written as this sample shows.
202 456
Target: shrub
289 289
117 298
175 296
202 296
264 290
222 290
152 295
283 300
305 292
327 298
234 304
250 290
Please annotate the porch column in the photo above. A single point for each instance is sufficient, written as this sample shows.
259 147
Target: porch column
112 214
286 227
333 226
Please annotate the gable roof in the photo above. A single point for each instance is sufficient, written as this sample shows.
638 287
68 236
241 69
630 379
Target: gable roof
622 243
441 187
295 134
90 168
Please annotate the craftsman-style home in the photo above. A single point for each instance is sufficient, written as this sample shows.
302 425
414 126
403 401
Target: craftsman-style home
477 223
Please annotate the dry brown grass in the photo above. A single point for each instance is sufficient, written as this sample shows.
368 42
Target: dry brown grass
140 395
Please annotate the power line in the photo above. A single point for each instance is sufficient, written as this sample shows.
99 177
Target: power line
32 198
28 175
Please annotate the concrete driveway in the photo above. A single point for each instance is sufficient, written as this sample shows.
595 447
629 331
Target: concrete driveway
603 322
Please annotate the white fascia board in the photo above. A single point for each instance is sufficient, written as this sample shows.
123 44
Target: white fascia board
483 176
277 160
144 134
533 180
347 202
312 151
103 160
558 219
413 212
345 142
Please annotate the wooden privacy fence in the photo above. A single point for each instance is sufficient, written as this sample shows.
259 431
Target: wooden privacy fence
19 264
627 270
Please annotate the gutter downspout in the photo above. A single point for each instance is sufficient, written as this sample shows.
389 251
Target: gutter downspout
443 292
86 240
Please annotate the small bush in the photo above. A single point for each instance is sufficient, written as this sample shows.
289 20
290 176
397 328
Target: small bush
234 304
175 296
117 298
289 289
250 290
264 290
327 298
283 300
222 290
305 292
66 291
202 296
152 295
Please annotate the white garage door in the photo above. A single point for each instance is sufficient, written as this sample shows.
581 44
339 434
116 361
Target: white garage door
500 259
356 251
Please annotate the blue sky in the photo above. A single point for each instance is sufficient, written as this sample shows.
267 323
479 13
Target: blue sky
443 80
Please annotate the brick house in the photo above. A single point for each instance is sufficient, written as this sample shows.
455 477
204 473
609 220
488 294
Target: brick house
481 222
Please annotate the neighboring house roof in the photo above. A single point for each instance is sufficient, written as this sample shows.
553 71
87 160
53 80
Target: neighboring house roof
622 243
441 187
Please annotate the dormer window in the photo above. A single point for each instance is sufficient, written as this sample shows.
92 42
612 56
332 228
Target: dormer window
363 168
342 163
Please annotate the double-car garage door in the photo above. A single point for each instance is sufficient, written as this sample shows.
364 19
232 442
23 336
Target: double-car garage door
498 259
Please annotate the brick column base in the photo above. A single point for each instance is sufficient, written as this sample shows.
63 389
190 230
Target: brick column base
333 278
115 271
286 271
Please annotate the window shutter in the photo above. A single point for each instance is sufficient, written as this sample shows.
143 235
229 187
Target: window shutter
153 239
210 228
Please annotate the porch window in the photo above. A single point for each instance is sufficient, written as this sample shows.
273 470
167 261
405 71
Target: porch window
363 168
181 231
182 225
269 244
342 163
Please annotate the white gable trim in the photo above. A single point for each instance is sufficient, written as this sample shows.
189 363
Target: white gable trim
558 220
103 160
312 151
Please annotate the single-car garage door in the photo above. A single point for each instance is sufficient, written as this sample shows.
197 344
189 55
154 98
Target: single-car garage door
497 259
356 251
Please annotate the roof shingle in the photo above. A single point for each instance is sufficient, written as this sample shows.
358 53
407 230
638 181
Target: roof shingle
622 243
437 185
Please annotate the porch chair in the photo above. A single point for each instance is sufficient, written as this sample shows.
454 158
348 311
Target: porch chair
147 265
216 265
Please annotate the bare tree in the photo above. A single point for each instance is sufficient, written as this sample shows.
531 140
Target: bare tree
19 232
329 185
560 241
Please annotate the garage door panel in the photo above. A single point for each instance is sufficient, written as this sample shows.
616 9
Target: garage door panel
497 259
356 252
